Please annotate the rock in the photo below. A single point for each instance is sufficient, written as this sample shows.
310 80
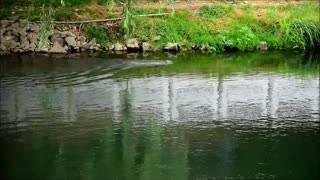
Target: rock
71 41
119 47
22 32
110 47
42 50
82 39
93 41
65 34
33 27
21 23
85 46
11 44
8 38
77 48
70 34
56 38
172 47
32 37
32 46
133 44
4 23
96 48
8 32
15 50
57 48
263 46
156 38
193 46
146 46
204 47
88 45
3 48
15 32
24 42
2 31
66 47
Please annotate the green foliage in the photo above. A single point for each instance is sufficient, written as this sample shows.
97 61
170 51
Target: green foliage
240 37
241 32
302 34
172 2
128 24
110 4
99 33
215 11
220 26
46 26
137 11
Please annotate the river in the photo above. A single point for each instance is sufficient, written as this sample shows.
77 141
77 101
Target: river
205 116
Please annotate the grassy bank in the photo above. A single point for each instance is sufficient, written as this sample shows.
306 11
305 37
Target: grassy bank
241 27
212 26
229 27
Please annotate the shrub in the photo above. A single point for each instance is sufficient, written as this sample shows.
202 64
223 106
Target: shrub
214 11
99 33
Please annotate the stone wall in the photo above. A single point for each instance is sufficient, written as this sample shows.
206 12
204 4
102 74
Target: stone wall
17 37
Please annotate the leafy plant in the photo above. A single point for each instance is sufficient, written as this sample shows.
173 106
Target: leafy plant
302 34
172 2
46 26
128 23
30 13
215 11
99 33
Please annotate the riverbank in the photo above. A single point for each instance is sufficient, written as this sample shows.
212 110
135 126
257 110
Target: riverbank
209 27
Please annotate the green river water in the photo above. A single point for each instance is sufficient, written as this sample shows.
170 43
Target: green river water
125 116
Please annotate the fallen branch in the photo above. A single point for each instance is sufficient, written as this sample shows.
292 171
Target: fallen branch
106 20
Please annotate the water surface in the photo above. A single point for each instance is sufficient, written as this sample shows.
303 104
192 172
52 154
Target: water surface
241 115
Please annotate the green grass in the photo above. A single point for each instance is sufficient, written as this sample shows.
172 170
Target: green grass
227 27
215 11
99 33
283 27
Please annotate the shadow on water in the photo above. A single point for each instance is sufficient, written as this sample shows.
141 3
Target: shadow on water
107 116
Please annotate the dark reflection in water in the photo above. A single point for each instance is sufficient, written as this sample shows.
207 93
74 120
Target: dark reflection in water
204 116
